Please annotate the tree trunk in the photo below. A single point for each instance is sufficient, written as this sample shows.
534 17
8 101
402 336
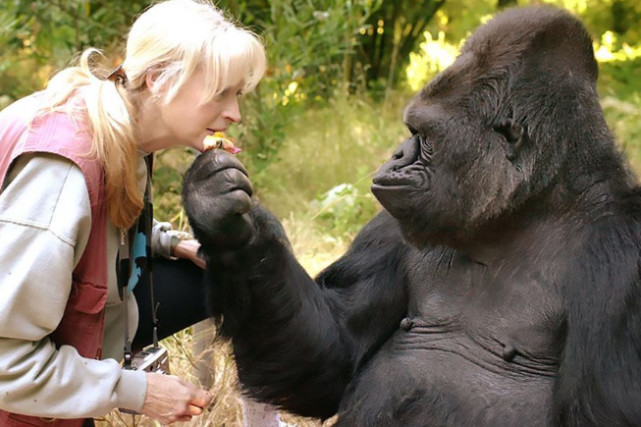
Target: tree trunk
404 23
505 3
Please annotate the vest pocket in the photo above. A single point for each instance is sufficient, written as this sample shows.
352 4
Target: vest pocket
87 297
83 321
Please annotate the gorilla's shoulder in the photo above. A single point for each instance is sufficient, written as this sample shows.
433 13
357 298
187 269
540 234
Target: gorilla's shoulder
383 228
611 232
378 244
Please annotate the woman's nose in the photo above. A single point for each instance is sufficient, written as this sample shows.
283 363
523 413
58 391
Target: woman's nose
232 112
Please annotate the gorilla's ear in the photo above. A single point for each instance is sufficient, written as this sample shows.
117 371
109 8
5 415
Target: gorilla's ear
514 135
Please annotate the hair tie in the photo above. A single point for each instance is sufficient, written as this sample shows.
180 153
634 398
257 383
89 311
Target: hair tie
117 76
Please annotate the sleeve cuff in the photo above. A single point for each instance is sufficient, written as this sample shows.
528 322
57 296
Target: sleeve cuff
131 390
161 239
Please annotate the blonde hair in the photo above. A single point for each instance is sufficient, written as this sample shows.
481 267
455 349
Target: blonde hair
172 39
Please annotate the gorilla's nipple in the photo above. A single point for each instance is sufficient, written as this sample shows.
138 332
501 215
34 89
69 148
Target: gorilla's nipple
509 352
407 324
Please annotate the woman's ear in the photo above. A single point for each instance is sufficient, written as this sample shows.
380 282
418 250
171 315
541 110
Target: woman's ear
151 81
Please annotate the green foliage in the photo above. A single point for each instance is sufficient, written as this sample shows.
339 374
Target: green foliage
392 32
309 44
342 143
343 209
434 56
318 122
456 19
621 75
620 16
624 118
620 90
41 37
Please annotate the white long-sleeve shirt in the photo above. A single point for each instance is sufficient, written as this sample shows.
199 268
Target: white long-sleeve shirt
45 219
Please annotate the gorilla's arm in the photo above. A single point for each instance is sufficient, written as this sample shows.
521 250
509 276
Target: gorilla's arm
601 363
297 342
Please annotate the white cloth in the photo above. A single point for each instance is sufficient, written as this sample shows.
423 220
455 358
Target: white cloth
256 414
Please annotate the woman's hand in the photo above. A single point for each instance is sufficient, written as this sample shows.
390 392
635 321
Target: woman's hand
170 399
189 249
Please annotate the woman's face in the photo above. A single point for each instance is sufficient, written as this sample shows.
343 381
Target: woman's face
186 120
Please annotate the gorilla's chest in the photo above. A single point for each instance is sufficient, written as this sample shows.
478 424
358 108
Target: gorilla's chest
504 319
478 347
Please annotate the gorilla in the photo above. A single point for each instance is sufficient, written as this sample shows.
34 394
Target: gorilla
499 285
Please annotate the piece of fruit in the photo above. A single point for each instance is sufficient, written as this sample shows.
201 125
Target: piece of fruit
219 141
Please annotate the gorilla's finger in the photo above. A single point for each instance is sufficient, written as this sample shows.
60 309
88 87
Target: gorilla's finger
219 185
238 202
233 179
213 161
234 201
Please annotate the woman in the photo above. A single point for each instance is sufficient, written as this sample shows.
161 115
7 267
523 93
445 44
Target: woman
72 177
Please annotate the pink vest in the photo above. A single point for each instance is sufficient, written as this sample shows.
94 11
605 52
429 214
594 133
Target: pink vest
83 321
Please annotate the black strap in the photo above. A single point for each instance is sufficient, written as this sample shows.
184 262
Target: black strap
144 225
148 222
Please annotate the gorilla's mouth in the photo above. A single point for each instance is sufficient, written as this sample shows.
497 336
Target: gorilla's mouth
416 176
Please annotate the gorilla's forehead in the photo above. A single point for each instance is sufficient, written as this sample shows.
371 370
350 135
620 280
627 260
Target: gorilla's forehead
455 78
447 90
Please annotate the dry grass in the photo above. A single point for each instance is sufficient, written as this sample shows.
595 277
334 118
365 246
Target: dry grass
226 408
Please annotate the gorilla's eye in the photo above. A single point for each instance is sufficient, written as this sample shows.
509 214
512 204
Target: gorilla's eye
412 130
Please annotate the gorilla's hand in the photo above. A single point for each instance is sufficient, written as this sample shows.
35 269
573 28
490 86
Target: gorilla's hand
217 197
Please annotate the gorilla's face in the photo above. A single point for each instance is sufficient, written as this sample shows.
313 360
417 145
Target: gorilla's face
498 132
465 159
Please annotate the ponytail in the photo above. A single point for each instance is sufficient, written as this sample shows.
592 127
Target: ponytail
113 142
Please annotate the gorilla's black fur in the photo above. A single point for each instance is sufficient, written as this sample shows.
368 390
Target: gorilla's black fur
499 287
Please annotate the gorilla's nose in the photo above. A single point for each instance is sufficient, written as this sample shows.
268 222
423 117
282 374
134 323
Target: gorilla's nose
406 154
408 151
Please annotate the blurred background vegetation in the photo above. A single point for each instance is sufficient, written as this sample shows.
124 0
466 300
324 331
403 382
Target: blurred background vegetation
328 112
329 109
